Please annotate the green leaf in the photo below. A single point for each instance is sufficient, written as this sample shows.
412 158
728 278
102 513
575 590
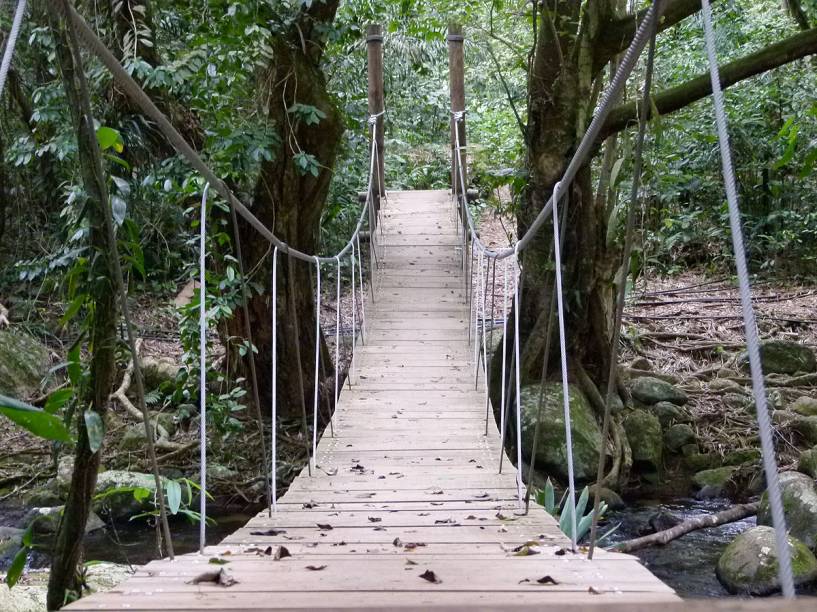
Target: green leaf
140 494
74 366
174 496
58 399
119 209
28 536
109 138
37 421
17 567
96 430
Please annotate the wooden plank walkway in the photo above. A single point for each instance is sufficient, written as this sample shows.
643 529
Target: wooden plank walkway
409 483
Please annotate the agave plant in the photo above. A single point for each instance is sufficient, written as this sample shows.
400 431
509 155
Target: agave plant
562 511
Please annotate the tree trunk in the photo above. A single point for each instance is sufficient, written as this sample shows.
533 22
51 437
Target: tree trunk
290 200
96 390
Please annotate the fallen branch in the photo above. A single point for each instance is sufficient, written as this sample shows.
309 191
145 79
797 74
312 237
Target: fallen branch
661 538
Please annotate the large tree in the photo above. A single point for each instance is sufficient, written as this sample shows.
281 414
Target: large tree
575 42
290 195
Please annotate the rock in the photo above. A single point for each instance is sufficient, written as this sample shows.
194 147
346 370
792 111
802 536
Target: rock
22 598
711 482
662 520
747 481
644 435
10 540
799 505
667 378
119 502
807 464
46 520
44 496
687 450
725 384
31 596
679 436
744 455
608 496
668 413
133 438
806 426
24 363
650 390
157 371
165 420
65 471
783 357
641 363
551 455
216 471
616 404
701 461
748 566
806 406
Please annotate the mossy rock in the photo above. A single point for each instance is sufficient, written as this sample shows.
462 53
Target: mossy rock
807 463
24 363
678 436
799 506
119 501
650 390
711 482
806 406
668 413
643 431
748 566
744 455
551 453
701 461
783 357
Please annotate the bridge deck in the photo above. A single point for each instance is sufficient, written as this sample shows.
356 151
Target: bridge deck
409 483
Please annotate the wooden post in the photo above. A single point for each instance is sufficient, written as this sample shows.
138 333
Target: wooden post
374 44
456 80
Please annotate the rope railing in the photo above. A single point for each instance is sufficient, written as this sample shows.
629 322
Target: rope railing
11 42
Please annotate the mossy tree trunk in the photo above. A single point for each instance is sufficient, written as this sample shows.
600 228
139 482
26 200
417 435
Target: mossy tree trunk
101 322
290 200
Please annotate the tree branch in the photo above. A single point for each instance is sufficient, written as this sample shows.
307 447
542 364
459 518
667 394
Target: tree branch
616 37
776 55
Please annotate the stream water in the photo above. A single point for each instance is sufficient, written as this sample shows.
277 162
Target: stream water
686 564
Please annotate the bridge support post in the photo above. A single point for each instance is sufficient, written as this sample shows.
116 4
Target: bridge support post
374 45
456 81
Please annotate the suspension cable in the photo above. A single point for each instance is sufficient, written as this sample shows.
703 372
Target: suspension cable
274 415
638 162
317 365
14 33
752 341
203 371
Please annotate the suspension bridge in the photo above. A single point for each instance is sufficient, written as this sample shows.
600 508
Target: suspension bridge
408 499
404 505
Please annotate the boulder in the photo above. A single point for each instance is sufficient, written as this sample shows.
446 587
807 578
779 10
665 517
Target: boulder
117 488
22 598
157 371
806 406
678 436
740 456
748 566
783 357
799 505
46 520
711 483
216 471
641 363
807 463
726 384
805 426
662 520
551 455
608 496
10 540
650 390
643 431
65 471
24 363
696 462
668 413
